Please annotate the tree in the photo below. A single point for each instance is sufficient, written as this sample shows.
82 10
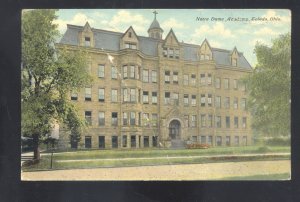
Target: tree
270 88
48 76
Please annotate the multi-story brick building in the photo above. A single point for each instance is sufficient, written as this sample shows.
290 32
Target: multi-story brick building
150 91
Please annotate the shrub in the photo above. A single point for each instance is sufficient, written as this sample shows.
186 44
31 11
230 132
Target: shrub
197 146
263 149
278 141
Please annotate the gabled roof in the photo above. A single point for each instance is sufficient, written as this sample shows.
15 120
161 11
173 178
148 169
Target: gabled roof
128 30
171 32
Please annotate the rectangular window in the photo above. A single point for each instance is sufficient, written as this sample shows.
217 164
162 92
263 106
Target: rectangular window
146 119
194 100
244 140
209 140
207 57
177 53
244 122
88 117
194 138
219 140
209 79
227 140
132 118
87 41
101 71
101 140
193 79
165 52
171 53
101 117
154 97
155 141
235 84
146 141
209 100
132 71
186 120
176 99
125 72
125 95
236 122
243 103
185 79
88 94
114 95
145 97
88 142
237 140
145 75
175 77
186 99
203 120
218 121
218 83
101 95
167 97
210 120
74 95
227 121
203 139
167 76
226 83
114 72
202 100
132 95
218 102
154 76
154 119
124 141
125 119
114 141
132 141
114 118
130 45
202 79
227 102
235 103
194 121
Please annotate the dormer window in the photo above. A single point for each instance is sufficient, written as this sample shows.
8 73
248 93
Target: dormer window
204 57
177 53
234 62
130 45
207 57
171 53
87 41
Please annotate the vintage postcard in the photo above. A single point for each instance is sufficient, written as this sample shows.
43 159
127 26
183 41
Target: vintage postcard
156 94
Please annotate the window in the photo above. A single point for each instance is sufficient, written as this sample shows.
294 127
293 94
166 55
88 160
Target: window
124 141
207 57
129 34
167 76
176 99
101 71
125 72
154 119
171 53
167 97
235 103
193 100
193 80
74 95
114 95
186 120
236 122
88 117
185 79
226 83
101 140
203 120
209 79
194 138
202 57
114 141
175 77
218 121
132 141
235 84
218 102
243 86
244 122
132 95
87 41
146 141
145 75
226 102
125 119
146 119
132 118
114 73
114 118
154 141
209 141
130 45
165 52
203 139
101 95
186 99
227 140
145 97
177 53
209 100
125 95
244 140
219 140
202 79
236 140
154 97
132 71
101 118
234 62
243 103
88 94
218 83
154 76
227 121
202 100
210 120
194 121
88 142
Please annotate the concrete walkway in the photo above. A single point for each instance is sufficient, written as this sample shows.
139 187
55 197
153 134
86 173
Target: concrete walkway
210 171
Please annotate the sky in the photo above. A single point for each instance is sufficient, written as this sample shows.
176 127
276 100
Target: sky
225 34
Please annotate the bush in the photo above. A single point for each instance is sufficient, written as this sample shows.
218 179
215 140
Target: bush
278 141
264 149
197 146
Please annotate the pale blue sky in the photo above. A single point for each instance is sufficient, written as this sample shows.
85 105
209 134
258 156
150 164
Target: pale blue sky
220 34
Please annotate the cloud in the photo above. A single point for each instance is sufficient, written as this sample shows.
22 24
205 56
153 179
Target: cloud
218 29
265 32
172 23
215 44
258 40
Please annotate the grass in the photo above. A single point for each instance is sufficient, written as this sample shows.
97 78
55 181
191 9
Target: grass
160 157
281 176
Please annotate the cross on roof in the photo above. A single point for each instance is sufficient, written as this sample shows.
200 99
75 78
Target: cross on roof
155 13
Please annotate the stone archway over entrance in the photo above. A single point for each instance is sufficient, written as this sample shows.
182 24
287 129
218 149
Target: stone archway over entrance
174 129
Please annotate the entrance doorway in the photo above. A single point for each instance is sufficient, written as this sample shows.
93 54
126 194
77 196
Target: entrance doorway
174 129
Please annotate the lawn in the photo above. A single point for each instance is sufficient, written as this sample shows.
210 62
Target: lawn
281 176
142 157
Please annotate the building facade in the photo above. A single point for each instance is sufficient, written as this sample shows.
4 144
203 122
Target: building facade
150 91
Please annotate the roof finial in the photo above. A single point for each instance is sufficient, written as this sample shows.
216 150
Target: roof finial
155 13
